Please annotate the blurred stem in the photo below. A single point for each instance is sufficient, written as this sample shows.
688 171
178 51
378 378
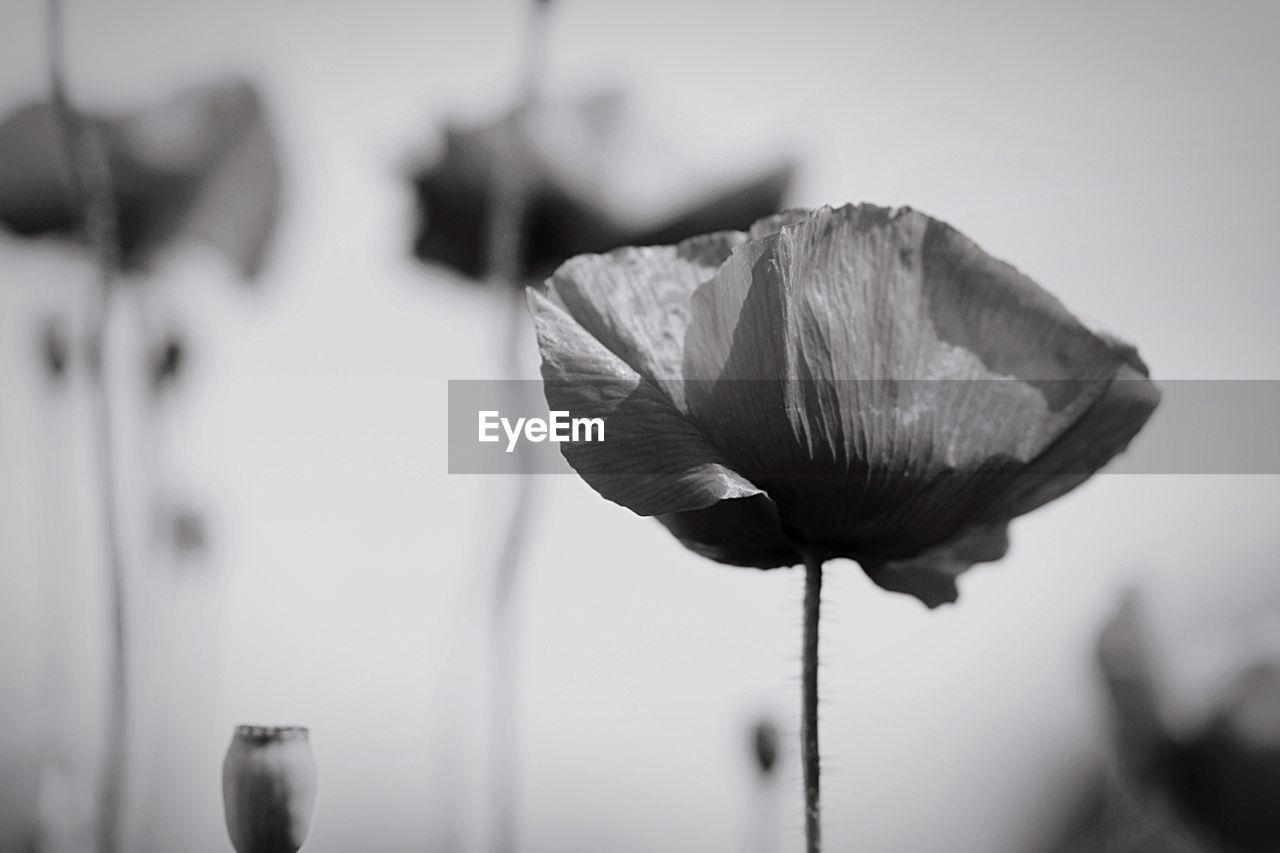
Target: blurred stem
505 251
89 183
809 754
761 829
504 738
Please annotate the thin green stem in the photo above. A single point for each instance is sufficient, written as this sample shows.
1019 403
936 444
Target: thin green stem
809 754
89 183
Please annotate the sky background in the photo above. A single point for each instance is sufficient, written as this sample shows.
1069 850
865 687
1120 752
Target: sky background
1123 154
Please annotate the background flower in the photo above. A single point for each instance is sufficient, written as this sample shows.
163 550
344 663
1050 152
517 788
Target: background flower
1202 787
572 154
860 382
200 166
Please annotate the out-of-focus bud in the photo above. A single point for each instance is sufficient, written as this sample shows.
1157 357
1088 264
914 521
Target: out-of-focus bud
166 362
764 746
55 347
269 788
187 531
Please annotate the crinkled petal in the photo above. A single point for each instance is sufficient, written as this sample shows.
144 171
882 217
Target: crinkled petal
636 301
1101 434
840 363
653 459
775 223
1015 328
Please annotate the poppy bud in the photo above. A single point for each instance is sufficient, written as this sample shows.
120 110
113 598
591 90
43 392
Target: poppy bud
187 531
764 747
269 788
55 348
167 360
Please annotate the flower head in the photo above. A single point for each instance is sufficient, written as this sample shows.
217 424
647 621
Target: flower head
859 382
202 166
566 154
1223 775
269 788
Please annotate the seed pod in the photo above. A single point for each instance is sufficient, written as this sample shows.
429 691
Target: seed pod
269 788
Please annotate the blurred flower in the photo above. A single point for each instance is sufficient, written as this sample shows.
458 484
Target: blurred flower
200 166
1226 777
570 155
1222 778
861 382
269 788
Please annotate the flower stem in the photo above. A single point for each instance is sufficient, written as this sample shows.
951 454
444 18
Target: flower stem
89 183
504 250
809 754
504 664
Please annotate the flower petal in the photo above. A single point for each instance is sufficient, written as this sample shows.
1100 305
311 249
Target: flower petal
636 301
742 532
772 224
201 166
1101 433
234 201
1228 772
931 577
839 363
653 459
571 153
33 192
1130 678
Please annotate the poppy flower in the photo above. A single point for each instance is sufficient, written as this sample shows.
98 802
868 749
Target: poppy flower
1222 776
200 166
859 382
567 154
269 788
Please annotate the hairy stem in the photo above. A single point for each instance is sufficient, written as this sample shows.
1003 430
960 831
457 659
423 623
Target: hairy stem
89 183
809 754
